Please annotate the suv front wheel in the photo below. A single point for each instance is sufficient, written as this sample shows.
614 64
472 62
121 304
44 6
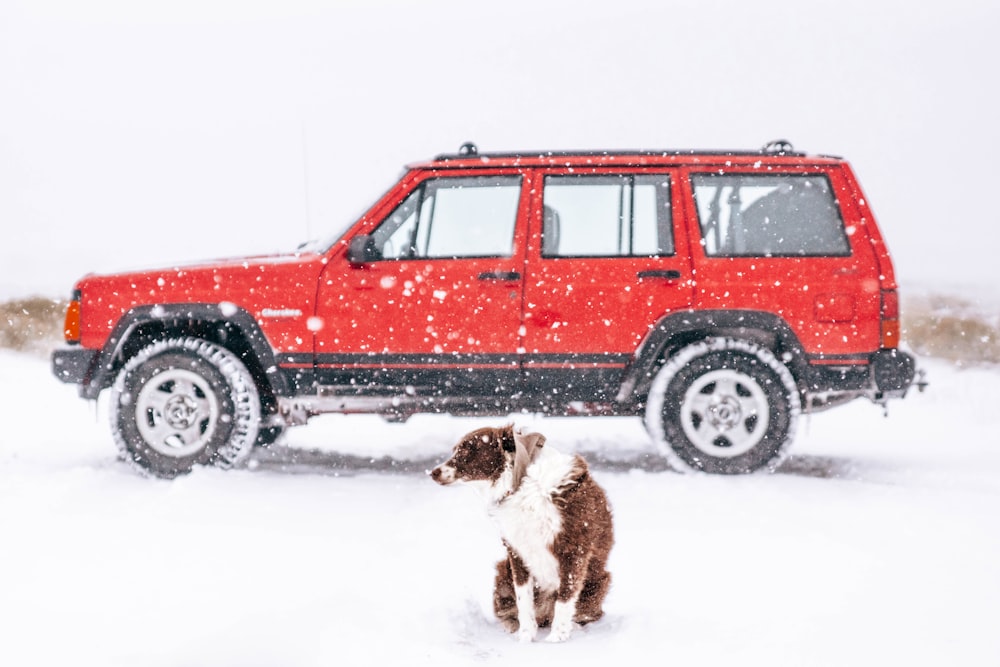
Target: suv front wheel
184 402
723 405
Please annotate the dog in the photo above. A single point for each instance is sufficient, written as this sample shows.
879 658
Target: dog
554 520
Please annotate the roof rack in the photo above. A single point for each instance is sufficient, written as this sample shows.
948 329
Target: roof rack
470 150
779 146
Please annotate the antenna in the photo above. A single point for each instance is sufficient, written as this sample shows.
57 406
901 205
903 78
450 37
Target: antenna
305 182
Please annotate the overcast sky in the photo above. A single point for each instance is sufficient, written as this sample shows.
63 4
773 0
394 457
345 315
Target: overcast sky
145 133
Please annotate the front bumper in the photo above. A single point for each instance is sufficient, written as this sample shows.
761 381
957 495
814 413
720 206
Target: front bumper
73 365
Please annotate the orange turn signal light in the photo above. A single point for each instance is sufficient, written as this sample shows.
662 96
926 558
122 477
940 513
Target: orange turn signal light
71 325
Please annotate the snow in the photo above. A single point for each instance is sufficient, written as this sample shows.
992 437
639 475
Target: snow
876 543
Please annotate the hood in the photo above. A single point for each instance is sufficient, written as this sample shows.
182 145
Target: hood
243 280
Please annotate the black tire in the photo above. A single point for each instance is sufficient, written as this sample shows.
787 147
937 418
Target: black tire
723 406
272 428
270 434
184 402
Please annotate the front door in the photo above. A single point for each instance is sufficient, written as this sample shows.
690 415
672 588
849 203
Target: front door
438 310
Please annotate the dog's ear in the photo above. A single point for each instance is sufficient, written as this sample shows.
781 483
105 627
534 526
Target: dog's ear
507 442
531 442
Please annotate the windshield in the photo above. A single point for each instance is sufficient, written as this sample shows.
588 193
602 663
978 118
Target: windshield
321 245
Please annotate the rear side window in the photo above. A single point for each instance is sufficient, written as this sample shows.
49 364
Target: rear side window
607 216
453 217
774 215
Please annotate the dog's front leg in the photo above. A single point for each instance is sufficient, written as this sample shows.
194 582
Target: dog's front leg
571 575
562 619
527 625
524 594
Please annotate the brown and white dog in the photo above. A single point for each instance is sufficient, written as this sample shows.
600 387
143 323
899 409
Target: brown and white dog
554 520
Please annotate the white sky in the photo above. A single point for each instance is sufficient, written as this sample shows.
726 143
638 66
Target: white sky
140 134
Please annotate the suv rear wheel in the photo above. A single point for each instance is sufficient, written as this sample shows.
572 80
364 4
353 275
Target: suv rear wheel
723 405
184 402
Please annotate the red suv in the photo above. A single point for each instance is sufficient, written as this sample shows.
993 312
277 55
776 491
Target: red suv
715 294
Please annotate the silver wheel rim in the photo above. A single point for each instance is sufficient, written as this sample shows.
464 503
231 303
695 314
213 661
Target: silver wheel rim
725 413
177 412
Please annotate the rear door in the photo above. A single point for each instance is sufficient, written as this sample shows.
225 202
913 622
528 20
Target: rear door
606 261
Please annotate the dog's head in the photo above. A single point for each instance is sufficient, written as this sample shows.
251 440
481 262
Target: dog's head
496 457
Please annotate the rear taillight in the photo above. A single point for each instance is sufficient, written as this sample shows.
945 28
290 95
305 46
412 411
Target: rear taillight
71 325
890 318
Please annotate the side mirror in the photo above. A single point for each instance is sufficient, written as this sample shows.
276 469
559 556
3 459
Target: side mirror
362 250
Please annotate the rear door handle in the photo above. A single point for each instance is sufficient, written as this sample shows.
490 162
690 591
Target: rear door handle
669 274
499 275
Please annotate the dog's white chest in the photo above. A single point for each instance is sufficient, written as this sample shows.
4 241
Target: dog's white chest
529 521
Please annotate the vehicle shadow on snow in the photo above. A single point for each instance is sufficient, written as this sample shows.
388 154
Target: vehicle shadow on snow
294 460
818 467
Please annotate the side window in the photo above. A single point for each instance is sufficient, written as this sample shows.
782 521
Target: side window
453 217
606 216
777 215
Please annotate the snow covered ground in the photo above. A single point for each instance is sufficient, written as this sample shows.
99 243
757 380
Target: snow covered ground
875 544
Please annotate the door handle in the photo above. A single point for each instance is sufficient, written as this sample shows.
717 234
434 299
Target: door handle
668 274
499 275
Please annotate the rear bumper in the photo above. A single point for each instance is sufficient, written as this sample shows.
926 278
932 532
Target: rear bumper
882 375
73 365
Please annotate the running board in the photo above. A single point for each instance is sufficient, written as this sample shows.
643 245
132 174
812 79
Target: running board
295 411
